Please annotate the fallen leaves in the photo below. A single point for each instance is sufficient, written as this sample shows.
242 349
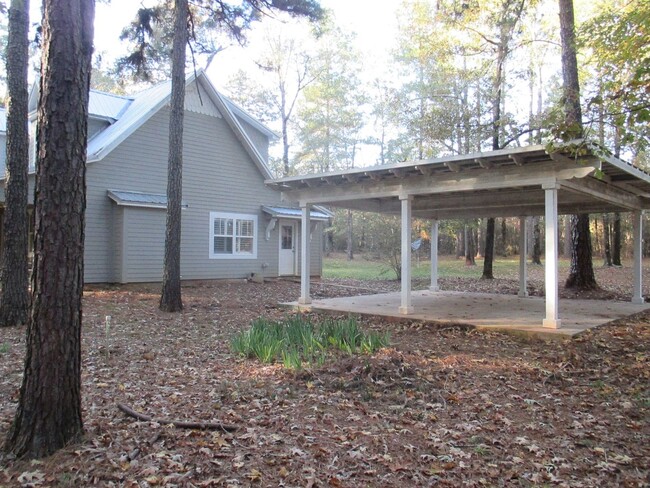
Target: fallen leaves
443 406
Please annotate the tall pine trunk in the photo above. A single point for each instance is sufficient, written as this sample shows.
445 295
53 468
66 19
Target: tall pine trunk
607 248
537 242
14 279
581 273
170 299
566 244
350 237
616 227
489 250
469 247
504 237
460 244
49 409
616 238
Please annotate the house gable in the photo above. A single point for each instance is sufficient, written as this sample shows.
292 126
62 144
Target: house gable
201 97
218 176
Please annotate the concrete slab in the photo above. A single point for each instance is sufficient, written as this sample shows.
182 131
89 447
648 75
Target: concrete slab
484 310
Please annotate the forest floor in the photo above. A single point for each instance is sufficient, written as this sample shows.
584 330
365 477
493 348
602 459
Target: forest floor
443 405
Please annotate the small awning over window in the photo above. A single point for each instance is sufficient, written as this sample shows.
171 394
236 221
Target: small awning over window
139 199
316 213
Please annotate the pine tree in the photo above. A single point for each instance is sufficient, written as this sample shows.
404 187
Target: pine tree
49 409
14 279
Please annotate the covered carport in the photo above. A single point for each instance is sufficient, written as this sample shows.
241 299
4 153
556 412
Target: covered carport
517 182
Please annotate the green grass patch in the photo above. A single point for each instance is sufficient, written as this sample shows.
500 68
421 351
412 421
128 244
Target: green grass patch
296 341
4 348
363 268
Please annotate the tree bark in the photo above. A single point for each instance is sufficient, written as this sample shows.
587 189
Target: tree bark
571 84
480 240
14 279
581 275
581 271
469 247
566 247
489 250
607 248
350 237
616 247
537 242
49 409
504 237
170 299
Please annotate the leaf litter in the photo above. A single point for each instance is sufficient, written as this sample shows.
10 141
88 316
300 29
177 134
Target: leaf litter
443 405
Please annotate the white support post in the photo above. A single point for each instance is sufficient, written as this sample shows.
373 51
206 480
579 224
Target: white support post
637 223
304 299
434 256
406 307
552 319
523 257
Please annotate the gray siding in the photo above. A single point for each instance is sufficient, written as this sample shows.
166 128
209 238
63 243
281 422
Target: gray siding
145 238
259 140
117 245
126 244
218 175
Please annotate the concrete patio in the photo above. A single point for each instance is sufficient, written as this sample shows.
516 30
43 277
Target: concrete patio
483 310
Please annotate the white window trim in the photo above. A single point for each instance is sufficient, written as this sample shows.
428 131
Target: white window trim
235 217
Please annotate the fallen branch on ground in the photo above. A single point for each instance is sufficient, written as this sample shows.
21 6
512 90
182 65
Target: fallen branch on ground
176 423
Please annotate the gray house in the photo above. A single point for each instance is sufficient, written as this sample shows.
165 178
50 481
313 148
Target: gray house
232 224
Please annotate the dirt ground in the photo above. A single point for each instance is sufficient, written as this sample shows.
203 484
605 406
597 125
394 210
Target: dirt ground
445 406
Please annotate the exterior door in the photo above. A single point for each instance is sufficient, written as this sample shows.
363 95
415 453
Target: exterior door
287 261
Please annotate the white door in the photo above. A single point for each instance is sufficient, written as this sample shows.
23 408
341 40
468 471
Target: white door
287 262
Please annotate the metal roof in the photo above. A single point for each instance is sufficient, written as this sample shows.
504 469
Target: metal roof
107 105
100 105
142 106
296 213
127 114
139 199
506 182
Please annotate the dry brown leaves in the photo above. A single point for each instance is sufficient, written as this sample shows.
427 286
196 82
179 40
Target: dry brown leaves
444 405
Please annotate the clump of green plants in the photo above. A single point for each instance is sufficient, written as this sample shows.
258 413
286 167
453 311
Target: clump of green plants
4 348
296 341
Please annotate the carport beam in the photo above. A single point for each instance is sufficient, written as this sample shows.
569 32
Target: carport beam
304 299
637 224
406 307
523 254
552 319
434 256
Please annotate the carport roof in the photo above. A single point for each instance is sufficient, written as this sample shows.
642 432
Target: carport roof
507 182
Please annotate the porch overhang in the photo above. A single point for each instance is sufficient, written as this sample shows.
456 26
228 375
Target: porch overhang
317 215
502 183
127 198
573 178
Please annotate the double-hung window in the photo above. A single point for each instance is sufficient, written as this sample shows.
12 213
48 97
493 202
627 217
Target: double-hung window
233 236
